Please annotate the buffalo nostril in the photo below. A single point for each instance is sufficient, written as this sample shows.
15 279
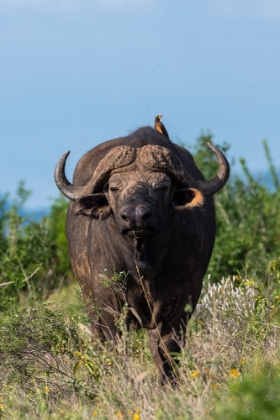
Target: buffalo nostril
143 213
128 214
146 215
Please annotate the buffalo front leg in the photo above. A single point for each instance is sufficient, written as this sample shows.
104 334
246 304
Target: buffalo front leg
162 346
103 314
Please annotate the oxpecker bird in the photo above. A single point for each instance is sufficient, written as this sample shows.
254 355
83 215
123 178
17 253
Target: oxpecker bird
160 127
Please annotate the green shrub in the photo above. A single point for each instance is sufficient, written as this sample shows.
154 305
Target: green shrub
56 233
255 398
248 216
33 254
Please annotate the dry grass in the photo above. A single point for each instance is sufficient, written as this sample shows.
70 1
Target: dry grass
50 369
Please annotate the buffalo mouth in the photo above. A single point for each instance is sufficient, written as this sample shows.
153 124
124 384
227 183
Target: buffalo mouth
138 232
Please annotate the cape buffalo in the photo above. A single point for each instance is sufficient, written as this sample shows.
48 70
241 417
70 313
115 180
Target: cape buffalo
140 207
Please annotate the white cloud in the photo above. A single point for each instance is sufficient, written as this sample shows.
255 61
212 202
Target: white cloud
266 9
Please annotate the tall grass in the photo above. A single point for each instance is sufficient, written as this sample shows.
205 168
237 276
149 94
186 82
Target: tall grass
51 369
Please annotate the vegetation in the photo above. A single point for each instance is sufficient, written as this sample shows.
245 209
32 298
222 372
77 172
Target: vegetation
248 216
33 255
230 367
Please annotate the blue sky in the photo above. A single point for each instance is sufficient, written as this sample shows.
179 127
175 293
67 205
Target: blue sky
77 73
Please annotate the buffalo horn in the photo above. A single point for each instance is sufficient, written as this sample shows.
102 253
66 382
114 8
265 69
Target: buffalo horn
212 186
66 188
116 158
160 158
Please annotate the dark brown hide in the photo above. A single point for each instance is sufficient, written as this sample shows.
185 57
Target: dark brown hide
144 215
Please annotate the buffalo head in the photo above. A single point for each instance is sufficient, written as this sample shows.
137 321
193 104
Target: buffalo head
139 186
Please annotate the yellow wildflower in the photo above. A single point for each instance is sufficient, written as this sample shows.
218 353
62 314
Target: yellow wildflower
195 374
119 415
94 413
47 389
2 407
136 416
235 373
215 386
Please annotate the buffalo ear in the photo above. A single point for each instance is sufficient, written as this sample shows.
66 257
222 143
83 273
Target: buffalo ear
187 198
93 205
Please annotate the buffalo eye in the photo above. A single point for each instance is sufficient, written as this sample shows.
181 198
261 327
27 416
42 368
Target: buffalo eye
161 187
115 186
114 189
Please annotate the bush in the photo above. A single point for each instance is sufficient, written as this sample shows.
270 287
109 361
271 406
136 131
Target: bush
248 216
255 398
33 254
